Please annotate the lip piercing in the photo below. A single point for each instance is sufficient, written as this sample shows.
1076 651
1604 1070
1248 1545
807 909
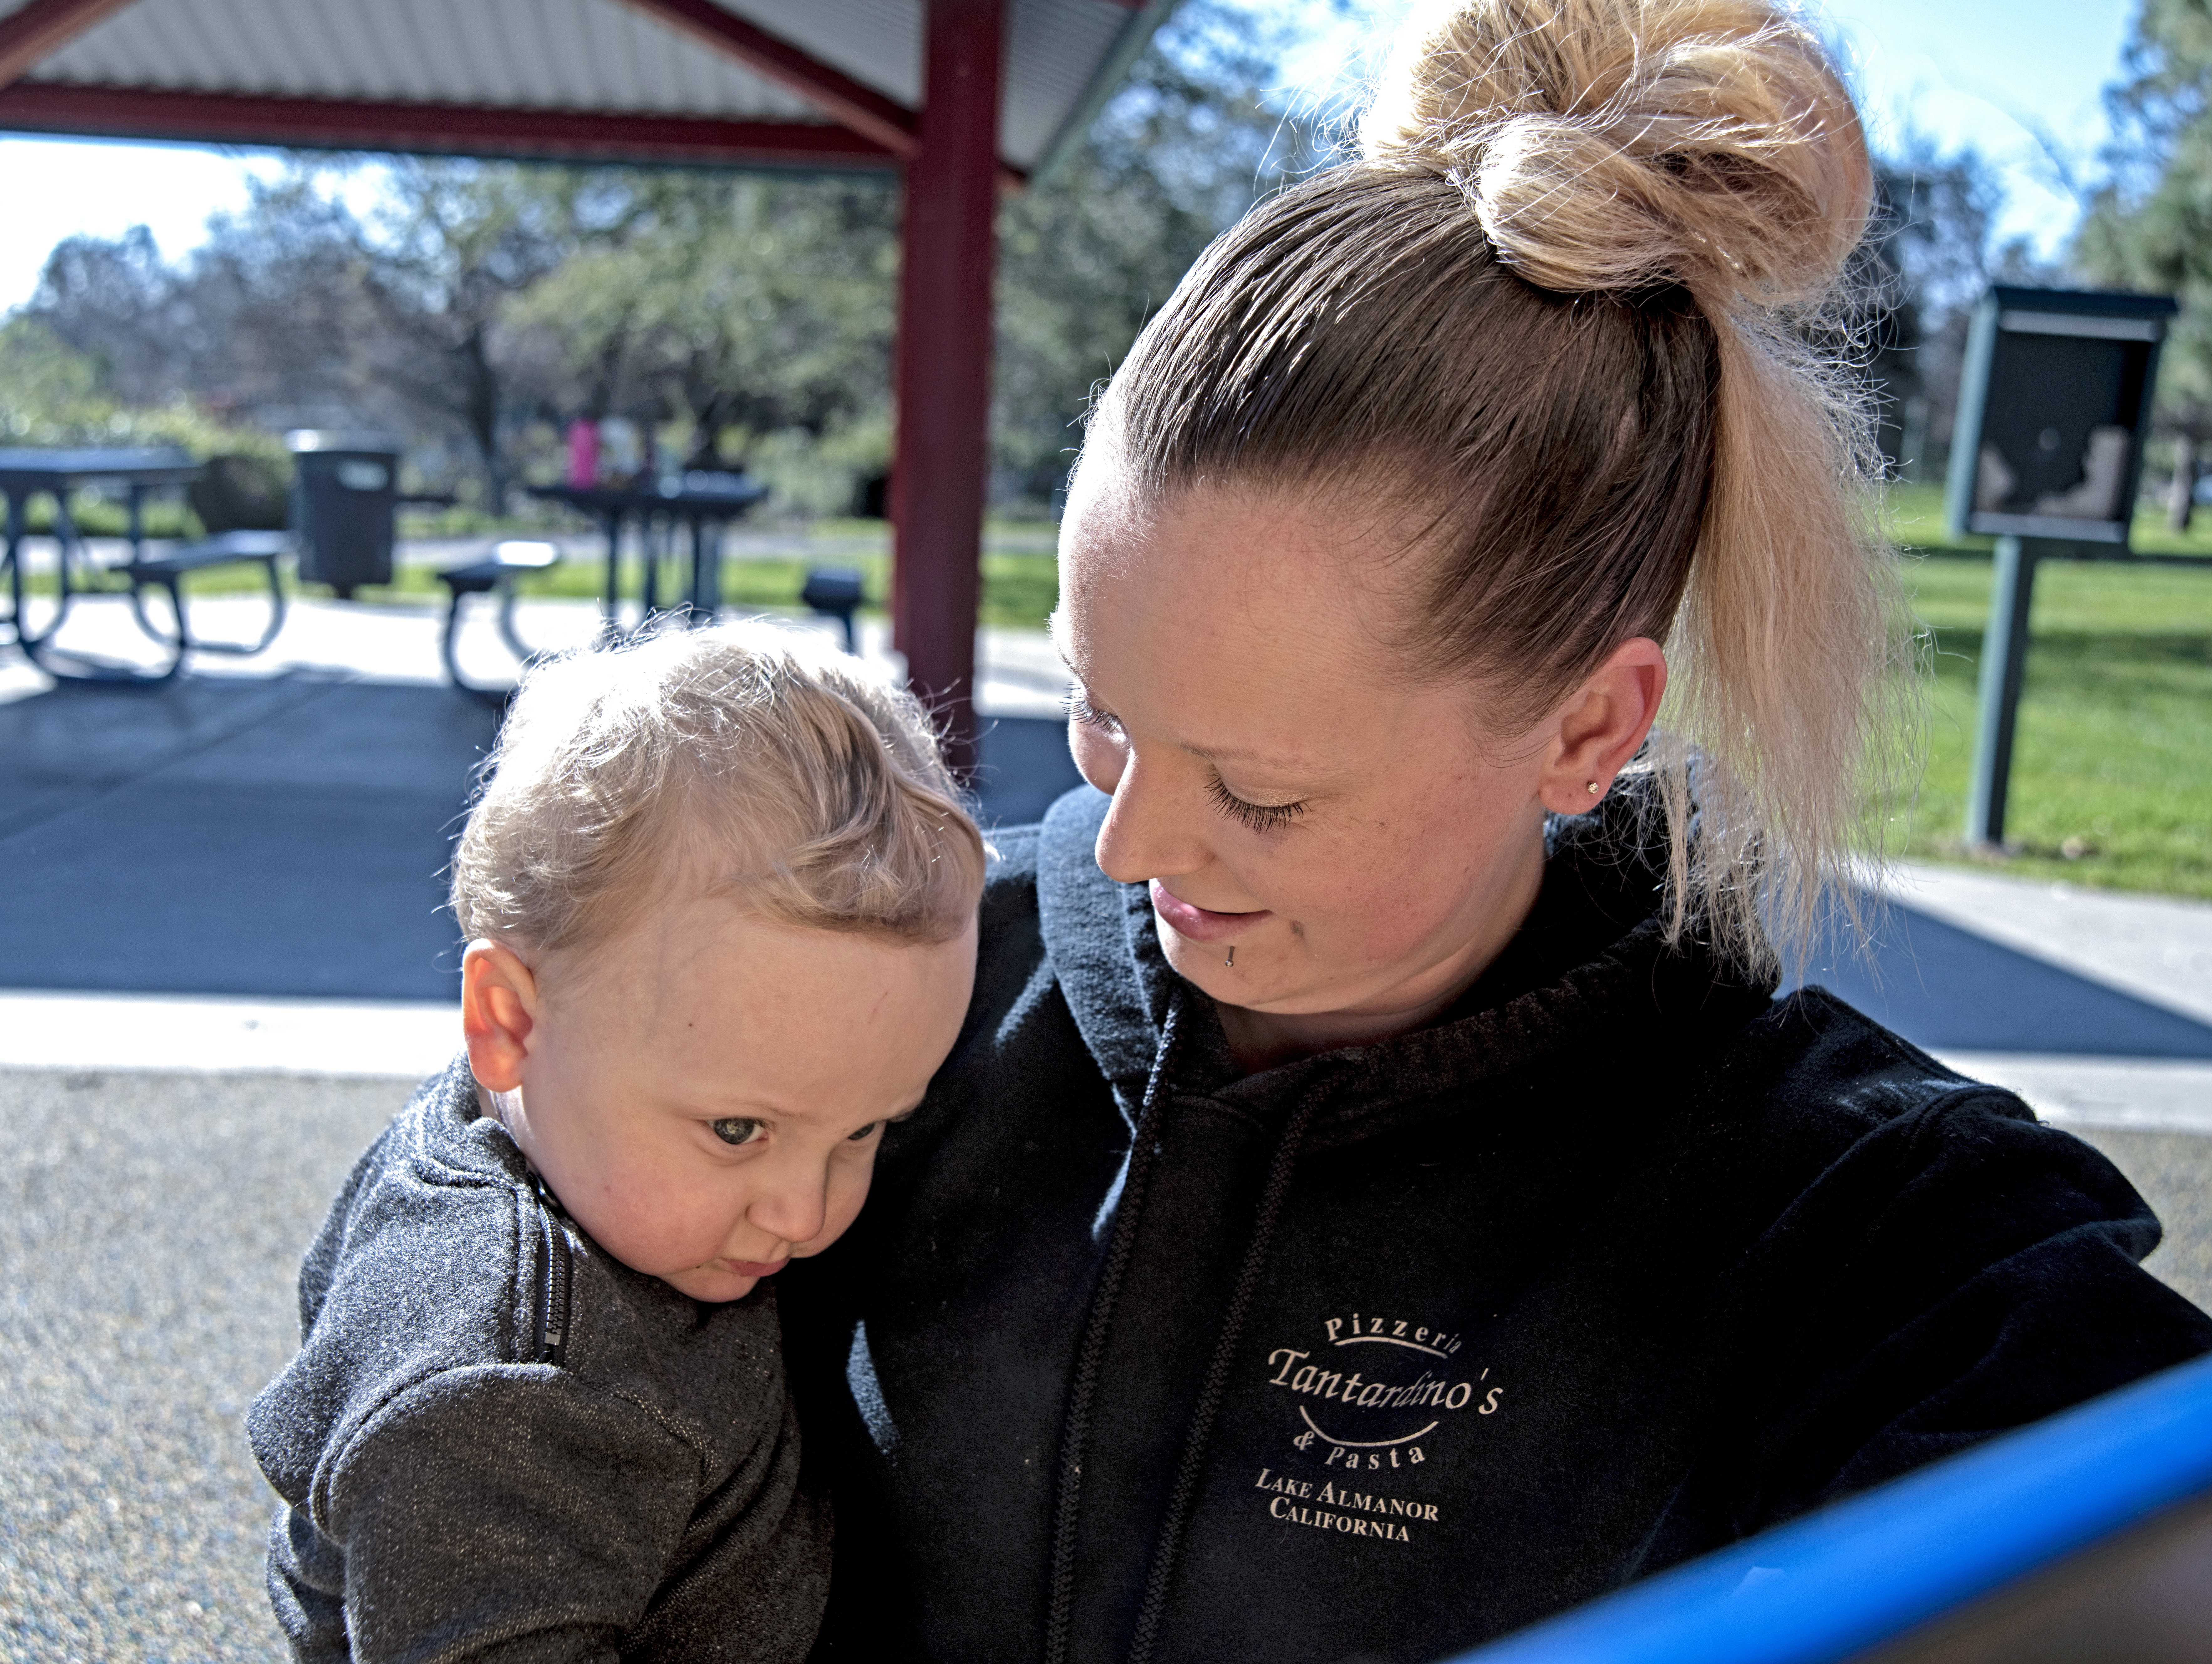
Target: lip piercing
1230 961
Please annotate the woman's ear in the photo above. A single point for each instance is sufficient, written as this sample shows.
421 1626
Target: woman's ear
499 1012
1602 726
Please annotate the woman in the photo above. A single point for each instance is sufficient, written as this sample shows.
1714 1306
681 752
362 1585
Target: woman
1377 1200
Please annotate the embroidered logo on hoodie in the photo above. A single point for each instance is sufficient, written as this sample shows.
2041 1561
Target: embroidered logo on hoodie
1373 1393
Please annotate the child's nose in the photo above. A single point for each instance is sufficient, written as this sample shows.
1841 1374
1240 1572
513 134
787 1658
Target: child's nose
792 1207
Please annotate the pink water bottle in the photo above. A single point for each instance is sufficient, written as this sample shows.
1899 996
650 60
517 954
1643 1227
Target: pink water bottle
583 454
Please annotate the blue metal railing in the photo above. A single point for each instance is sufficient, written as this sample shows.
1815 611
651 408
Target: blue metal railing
1863 1572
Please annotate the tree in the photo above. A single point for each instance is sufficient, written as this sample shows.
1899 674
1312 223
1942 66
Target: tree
1182 149
465 302
2150 226
739 305
1936 239
450 247
49 392
119 304
302 307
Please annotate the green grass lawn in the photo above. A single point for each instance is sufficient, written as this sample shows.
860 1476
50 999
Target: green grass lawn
1916 518
1020 586
1021 577
2111 782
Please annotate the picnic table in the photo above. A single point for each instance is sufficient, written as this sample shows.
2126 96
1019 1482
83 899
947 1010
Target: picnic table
704 502
24 474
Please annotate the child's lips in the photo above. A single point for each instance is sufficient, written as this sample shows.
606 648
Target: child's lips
755 1268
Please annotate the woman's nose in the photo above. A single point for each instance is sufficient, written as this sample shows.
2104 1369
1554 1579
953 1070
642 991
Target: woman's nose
1146 833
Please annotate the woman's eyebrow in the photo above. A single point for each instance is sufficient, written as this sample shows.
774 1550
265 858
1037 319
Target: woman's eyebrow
1213 754
1244 753
1248 755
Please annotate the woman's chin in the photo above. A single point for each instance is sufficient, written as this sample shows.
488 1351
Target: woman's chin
1248 983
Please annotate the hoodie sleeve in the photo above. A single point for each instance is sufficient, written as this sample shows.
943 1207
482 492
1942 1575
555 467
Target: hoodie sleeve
500 1513
1961 1271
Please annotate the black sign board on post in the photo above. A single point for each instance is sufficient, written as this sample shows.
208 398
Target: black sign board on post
2054 406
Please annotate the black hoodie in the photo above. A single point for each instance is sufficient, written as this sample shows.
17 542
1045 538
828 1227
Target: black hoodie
1380 1353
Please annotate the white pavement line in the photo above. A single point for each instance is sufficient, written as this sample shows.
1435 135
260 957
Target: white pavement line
2150 1094
402 1038
2157 948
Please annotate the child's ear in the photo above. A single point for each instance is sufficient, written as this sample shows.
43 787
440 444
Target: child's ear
499 1010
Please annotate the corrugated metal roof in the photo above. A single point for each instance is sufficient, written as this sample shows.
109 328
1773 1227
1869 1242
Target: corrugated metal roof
597 56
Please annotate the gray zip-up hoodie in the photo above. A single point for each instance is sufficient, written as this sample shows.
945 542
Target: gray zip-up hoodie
498 1441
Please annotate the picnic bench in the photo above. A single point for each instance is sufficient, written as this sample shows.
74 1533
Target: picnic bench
24 474
168 570
494 573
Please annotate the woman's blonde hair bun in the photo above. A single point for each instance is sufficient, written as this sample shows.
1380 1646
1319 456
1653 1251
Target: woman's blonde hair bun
1617 144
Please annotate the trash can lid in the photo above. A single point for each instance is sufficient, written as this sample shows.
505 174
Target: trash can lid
339 439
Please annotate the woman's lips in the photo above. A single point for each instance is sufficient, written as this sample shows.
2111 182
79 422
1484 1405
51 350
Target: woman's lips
1201 924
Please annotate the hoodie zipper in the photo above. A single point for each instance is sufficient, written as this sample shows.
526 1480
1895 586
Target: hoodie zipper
556 1271
1075 1433
1168 1544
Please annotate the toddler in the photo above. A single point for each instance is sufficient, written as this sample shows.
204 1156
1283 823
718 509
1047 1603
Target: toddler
720 899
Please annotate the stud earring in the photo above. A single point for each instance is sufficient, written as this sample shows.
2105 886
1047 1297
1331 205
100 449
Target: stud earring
1593 786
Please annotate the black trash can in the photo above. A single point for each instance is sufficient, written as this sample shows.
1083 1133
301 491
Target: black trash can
345 491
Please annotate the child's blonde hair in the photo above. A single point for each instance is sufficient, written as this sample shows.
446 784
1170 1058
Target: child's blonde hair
814 793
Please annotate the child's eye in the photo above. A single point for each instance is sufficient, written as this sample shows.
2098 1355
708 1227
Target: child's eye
866 1133
736 1129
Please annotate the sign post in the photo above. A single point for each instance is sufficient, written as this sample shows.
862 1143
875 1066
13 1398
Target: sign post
2004 653
2054 405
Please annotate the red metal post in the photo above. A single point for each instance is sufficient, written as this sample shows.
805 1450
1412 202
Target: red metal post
942 465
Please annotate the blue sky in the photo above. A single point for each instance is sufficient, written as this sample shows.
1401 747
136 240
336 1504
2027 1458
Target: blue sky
1983 72
1992 74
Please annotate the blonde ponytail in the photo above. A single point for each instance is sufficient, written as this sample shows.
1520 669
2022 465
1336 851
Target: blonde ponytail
1791 652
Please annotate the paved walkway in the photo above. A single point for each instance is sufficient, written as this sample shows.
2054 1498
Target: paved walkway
2097 1008
222 964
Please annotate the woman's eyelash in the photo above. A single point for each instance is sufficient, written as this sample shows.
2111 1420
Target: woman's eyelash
1259 816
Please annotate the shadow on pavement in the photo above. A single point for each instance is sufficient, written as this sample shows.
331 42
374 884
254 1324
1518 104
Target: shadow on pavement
287 837
1947 989
234 836
282 836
